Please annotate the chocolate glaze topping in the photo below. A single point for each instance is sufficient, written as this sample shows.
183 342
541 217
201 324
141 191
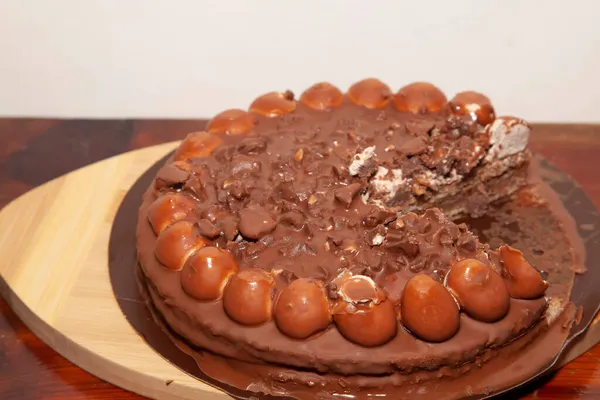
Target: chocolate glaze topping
305 209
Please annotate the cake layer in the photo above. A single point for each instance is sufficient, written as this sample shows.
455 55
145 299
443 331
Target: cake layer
474 196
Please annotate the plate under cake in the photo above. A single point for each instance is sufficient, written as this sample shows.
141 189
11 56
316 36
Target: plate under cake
312 237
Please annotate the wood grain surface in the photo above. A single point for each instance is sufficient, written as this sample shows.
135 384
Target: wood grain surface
34 151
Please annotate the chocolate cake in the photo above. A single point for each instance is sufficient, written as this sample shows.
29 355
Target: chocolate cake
312 241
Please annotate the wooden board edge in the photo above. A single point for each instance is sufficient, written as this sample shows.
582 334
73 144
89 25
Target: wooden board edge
114 373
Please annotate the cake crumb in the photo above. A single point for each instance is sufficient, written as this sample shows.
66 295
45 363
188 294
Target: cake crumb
360 159
378 240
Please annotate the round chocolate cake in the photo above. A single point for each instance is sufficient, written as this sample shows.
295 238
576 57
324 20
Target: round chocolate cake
310 243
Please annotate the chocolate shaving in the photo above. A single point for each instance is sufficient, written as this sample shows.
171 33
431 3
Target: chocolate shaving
208 229
346 194
171 177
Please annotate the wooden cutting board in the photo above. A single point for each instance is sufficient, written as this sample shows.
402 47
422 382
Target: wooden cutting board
54 243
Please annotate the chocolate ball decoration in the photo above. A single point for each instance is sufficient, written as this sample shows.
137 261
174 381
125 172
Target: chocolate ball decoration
428 310
476 105
232 122
248 297
302 309
176 243
480 290
363 314
207 272
168 209
322 96
197 144
522 280
274 104
420 98
370 93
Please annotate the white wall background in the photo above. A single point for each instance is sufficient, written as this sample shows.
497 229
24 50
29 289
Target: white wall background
144 58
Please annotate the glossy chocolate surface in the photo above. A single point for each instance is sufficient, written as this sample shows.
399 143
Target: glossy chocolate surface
244 171
524 232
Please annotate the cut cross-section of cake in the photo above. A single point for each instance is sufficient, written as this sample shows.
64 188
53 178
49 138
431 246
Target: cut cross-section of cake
461 174
460 163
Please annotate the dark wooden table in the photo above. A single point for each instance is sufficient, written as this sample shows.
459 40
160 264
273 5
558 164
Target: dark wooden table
34 151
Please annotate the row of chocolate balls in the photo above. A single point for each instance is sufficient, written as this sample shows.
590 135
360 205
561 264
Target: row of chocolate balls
416 98
361 312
